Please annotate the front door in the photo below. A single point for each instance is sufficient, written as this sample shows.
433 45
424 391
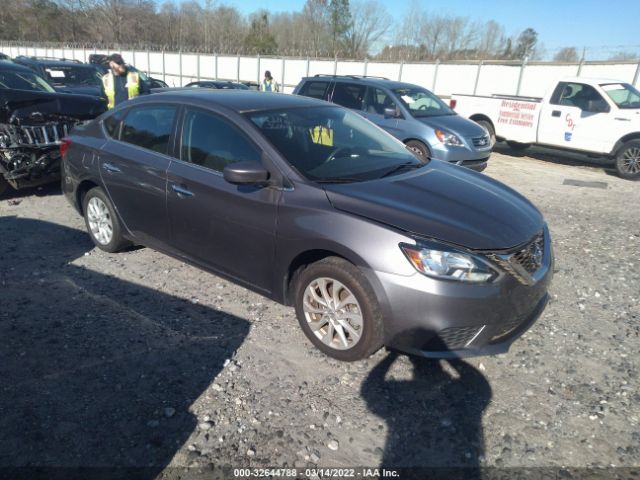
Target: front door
575 118
376 101
226 227
133 168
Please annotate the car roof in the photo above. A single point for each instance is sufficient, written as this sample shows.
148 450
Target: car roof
52 62
364 80
591 80
4 66
238 100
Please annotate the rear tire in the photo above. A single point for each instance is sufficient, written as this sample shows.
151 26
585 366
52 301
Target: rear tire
486 124
628 160
350 330
102 222
520 147
419 148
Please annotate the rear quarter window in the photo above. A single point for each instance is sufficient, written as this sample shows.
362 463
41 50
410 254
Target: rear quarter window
112 124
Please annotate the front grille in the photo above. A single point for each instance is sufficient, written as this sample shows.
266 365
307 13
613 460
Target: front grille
455 337
45 134
483 141
524 262
530 257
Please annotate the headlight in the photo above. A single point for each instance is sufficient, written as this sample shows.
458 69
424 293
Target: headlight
449 264
448 138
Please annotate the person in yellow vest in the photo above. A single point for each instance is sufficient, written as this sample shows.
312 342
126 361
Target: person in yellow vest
120 83
269 84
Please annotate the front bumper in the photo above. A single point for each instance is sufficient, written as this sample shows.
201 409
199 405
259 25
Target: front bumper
444 319
467 155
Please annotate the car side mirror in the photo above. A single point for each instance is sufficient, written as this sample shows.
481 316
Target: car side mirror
245 173
391 113
597 106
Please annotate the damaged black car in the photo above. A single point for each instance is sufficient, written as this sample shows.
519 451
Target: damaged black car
33 120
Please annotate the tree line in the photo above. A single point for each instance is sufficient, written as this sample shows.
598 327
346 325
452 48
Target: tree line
322 28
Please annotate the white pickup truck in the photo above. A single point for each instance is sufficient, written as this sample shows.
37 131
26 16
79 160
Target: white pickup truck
591 116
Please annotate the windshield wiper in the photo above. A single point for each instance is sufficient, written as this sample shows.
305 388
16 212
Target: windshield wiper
338 180
402 166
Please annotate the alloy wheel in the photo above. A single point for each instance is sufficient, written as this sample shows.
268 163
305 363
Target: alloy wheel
333 313
100 222
631 160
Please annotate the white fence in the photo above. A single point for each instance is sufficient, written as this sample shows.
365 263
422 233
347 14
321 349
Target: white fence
480 78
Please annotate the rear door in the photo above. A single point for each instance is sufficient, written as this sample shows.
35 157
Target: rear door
222 226
133 168
349 95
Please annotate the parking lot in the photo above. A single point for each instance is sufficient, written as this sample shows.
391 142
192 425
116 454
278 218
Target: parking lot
136 359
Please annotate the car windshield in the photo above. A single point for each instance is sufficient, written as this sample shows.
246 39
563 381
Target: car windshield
422 103
333 145
24 81
622 94
67 76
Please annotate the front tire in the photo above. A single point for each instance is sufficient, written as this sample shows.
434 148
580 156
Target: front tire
419 149
489 129
628 160
102 222
338 310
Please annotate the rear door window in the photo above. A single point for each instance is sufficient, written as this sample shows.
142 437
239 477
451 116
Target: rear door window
149 127
315 89
349 95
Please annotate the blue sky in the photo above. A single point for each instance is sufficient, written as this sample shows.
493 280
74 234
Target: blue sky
581 23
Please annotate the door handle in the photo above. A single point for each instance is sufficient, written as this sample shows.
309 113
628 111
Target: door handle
555 113
111 168
181 191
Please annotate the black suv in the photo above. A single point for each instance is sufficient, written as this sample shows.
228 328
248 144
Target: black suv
69 76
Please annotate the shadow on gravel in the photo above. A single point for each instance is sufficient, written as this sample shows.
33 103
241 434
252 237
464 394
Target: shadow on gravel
434 420
559 157
96 371
41 191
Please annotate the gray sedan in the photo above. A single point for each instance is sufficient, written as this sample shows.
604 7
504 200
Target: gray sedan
312 206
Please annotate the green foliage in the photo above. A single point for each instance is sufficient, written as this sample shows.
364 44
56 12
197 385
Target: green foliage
526 44
260 39
340 23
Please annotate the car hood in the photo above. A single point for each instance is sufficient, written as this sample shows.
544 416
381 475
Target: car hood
444 202
455 124
93 90
32 108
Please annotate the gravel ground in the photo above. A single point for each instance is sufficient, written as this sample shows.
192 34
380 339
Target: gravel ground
136 359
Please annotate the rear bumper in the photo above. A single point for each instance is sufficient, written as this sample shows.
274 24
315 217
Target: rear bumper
69 186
